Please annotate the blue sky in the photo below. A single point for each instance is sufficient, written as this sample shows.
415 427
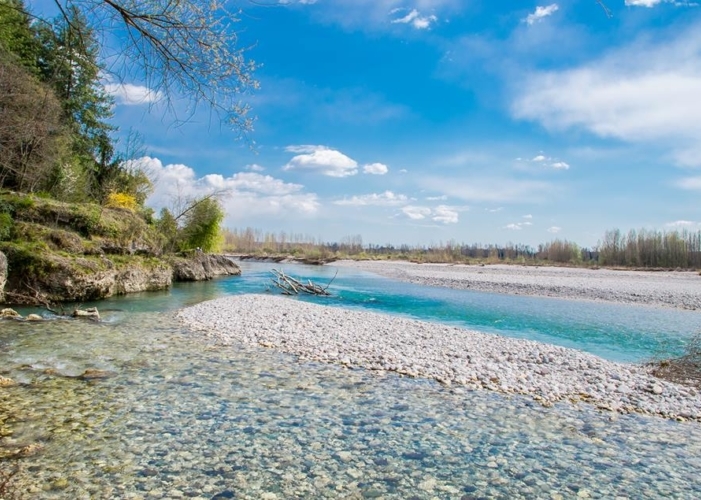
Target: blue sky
424 121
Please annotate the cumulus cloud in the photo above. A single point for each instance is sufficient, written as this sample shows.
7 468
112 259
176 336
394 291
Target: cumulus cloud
560 165
541 12
554 229
513 227
376 169
248 194
646 93
254 168
414 18
322 160
388 198
132 95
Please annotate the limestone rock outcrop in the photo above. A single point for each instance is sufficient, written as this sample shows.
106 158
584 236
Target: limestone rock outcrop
202 266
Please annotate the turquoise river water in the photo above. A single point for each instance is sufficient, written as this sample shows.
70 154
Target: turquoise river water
181 418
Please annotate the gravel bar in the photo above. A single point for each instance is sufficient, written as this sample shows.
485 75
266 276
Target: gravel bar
450 355
675 289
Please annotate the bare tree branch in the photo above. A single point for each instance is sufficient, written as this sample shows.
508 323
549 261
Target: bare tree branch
184 50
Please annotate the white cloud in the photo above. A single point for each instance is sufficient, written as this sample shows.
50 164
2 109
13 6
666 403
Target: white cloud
132 95
252 182
404 171
436 198
254 168
645 93
546 161
554 229
490 190
416 213
248 194
374 15
376 169
517 226
643 3
322 160
681 224
388 198
442 213
494 210
414 18
690 183
541 13
445 214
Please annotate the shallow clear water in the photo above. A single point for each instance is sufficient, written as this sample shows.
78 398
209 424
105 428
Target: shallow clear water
619 332
182 418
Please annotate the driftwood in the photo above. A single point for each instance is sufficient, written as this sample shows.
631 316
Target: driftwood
291 286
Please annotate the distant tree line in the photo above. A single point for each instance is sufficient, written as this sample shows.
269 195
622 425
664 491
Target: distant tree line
641 249
650 248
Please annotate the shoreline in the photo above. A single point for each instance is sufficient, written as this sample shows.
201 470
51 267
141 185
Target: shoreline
669 289
450 355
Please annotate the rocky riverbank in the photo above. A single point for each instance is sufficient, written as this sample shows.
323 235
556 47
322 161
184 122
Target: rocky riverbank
61 278
549 374
674 289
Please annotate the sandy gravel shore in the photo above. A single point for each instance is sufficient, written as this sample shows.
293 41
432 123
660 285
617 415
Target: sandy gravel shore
449 355
680 290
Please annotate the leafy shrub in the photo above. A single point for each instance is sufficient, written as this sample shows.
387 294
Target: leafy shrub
6 225
121 200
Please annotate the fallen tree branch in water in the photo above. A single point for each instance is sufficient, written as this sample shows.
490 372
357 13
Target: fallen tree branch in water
291 286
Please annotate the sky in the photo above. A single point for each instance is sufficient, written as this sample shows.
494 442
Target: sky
426 121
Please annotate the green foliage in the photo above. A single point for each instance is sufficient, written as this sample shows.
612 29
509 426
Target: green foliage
16 34
69 63
168 227
202 225
6 226
25 258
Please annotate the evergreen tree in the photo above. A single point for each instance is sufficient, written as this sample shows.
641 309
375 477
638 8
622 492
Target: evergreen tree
16 34
69 63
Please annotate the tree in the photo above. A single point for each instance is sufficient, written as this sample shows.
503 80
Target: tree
179 49
168 227
69 63
202 225
32 137
16 34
